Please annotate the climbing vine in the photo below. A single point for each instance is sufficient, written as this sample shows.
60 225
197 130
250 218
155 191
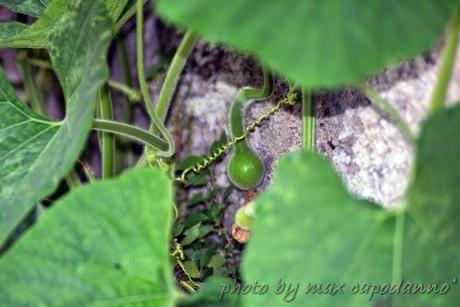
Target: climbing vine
96 210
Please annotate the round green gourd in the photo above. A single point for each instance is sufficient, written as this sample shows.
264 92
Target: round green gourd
245 169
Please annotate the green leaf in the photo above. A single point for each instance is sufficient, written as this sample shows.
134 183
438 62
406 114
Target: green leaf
317 43
115 8
36 152
192 269
209 295
103 244
187 162
36 8
195 218
325 237
18 35
433 217
216 261
28 7
193 179
223 139
192 234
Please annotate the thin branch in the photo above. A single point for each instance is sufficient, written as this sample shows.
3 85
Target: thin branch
447 63
308 117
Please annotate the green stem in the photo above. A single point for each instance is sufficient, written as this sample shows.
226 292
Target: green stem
88 171
157 124
308 118
389 110
447 63
130 93
36 100
72 180
398 241
243 98
123 19
131 132
124 153
172 77
124 61
24 59
107 139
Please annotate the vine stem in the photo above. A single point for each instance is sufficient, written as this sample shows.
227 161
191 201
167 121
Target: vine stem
123 19
447 63
125 153
72 180
129 131
129 92
107 139
24 59
157 124
36 100
398 245
308 118
172 76
389 110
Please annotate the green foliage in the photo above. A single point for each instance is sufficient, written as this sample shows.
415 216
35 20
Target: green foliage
244 216
330 237
208 296
36 8
58 12
115 8
200 222
40 152
104 244
116 248
109 243
317 43
28 7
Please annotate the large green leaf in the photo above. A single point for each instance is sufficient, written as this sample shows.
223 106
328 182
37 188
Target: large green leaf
317 43
35 152
104 244
115 8
433 219
18 35
308 229
28 7
209 294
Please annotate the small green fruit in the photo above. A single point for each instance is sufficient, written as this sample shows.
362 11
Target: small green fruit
243 217
245 169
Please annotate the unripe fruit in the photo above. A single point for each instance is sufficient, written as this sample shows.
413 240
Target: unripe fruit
245 168
244 215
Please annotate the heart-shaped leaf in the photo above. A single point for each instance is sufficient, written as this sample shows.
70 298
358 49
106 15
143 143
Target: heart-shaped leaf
104 244
36 152
339 251
317 43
